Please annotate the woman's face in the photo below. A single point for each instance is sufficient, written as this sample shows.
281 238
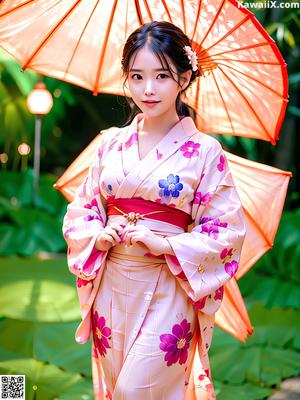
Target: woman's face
148 81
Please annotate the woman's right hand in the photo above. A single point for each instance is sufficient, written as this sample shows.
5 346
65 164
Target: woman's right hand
109 237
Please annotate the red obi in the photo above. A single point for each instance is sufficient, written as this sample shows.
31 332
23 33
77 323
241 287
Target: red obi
136 208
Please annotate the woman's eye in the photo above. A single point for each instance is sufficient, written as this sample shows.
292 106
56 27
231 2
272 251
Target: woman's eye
164 75
132 76
139 76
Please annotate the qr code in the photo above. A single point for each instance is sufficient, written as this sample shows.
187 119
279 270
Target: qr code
12 387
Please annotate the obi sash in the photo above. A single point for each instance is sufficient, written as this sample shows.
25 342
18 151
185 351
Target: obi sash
149 209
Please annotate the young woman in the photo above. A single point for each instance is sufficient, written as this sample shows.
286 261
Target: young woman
154 232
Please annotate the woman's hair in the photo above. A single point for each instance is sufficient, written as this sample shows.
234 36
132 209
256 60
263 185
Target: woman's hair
163 38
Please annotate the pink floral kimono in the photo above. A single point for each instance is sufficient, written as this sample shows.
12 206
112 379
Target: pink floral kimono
152 317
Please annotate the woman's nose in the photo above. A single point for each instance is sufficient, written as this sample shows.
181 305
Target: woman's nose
149 89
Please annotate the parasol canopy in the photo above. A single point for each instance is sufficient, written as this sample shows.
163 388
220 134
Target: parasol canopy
243 87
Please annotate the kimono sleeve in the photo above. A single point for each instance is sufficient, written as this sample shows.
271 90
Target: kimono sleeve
208 256
83 221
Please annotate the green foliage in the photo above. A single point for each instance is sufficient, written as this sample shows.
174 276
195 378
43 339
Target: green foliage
38 282
28 225
275 278
40 313
270 355
48 381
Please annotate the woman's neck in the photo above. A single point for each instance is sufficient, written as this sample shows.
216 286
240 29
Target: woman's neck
158 126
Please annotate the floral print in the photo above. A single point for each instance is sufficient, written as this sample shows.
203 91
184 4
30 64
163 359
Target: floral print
90 217
132 139
101 334
158 154
81 282
176 344
90 206
219 293
210 226
231 266
221 164
108 394
108 188
200 303
68 231
170 187
190 149
202 200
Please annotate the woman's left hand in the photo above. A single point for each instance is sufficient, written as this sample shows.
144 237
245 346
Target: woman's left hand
139 234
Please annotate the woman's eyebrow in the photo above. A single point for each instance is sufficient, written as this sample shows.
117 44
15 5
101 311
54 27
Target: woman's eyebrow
141 70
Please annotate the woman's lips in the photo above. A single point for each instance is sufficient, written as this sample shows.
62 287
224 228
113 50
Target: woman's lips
150 103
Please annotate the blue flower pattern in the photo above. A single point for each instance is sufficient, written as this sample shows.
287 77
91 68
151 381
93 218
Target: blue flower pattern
170 187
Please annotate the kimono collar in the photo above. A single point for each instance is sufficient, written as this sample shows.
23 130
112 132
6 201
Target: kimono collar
136 170
185 125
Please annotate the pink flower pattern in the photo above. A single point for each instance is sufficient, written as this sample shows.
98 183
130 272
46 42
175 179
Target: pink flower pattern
176 344
200 303
68 231
221 164
203 200
82 282
210 226
230 266
133 139
92 205
101 334
190 149
219 293
158 154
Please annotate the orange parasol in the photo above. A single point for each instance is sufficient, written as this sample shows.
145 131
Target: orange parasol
242 91
243 87
254 182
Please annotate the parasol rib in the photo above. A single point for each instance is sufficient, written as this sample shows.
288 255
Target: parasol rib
252 78
248 104
197 19
13 9
212 23
236 27
183 15
104 47
224 103
148 10
167 10
252 46
246 61
138 12
45 40
79 40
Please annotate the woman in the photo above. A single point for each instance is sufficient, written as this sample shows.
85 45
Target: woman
154 232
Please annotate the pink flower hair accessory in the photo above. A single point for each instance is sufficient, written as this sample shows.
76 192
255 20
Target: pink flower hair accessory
192 56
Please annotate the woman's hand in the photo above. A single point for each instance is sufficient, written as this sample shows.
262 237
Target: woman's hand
109 237
139 234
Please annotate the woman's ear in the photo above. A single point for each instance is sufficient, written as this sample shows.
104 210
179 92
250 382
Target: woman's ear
185 79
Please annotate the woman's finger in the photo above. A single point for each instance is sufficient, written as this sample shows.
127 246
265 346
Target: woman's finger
105 237
127 238
116 226
110 231
133 237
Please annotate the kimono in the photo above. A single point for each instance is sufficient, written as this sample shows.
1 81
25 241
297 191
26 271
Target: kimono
151 318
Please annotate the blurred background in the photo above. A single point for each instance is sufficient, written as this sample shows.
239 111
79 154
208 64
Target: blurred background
38 300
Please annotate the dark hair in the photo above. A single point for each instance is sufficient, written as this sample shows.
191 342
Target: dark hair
162 37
